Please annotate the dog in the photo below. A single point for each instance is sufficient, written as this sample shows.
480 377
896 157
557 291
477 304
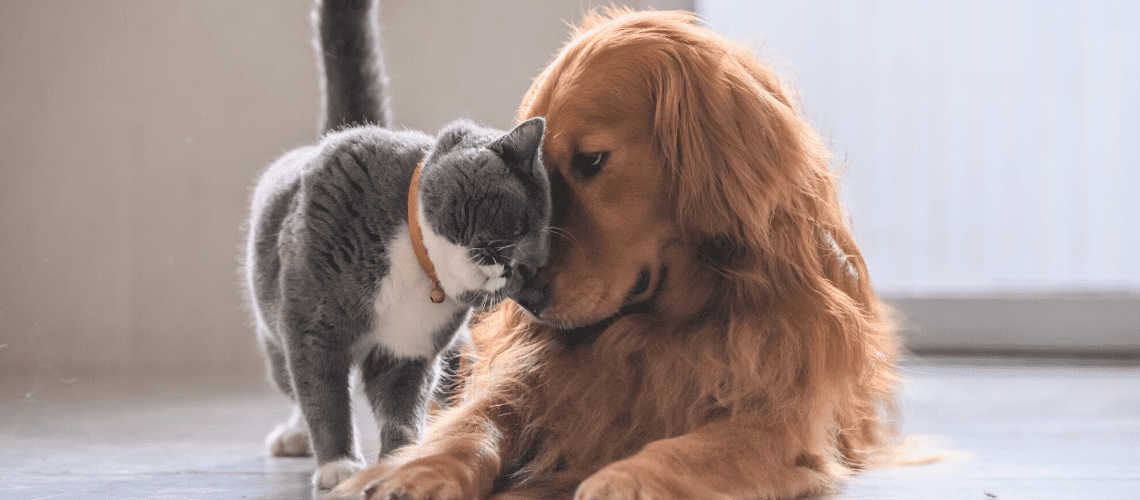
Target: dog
706 327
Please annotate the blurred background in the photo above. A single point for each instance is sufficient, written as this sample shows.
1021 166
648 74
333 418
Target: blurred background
988 149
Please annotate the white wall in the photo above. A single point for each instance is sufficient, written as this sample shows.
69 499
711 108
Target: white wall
988 147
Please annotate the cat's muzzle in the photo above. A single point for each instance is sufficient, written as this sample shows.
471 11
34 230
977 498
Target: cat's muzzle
534 296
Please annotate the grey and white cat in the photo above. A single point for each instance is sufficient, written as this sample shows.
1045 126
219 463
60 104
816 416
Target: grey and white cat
330 270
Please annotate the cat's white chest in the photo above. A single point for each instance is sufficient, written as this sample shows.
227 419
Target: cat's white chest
406 319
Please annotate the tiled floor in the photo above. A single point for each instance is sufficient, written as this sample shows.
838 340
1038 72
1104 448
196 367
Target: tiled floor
1038 433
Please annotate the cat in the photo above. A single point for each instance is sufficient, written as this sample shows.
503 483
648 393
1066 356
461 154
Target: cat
332 271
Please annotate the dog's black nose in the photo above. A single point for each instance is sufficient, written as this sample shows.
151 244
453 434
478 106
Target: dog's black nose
535 293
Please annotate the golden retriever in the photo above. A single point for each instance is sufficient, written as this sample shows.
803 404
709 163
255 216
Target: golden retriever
710 331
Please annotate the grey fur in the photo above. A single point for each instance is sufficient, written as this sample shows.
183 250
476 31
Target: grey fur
323 221
354 85
328 223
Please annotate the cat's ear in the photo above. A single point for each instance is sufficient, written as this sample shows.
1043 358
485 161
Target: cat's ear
520 145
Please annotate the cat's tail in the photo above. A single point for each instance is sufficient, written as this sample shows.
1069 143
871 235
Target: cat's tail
354 85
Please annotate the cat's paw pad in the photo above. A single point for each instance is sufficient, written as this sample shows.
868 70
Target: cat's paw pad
290 439
333 473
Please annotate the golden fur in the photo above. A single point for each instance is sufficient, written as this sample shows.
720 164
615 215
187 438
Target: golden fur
759 364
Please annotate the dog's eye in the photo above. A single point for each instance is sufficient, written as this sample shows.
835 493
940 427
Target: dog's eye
587 165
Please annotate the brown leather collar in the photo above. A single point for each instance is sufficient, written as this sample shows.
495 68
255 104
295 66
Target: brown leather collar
437 294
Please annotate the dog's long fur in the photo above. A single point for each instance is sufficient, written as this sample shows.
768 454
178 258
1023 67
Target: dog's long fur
759 364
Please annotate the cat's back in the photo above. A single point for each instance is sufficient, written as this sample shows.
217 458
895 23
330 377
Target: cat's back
352 184
383 154
356 180
368 161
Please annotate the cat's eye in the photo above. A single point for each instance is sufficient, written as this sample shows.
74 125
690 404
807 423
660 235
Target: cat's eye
586 165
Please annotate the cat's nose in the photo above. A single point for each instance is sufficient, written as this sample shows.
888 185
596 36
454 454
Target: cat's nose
535 293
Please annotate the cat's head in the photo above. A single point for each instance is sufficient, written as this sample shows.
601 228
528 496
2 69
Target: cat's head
485 209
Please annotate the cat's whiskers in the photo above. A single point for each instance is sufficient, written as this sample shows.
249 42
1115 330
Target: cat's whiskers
477 264
510 260
562 233
503 248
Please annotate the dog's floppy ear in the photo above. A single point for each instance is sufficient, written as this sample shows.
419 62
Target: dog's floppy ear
750 176
720 132
740 156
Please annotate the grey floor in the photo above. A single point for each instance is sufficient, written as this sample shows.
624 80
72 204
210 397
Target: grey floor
1032 432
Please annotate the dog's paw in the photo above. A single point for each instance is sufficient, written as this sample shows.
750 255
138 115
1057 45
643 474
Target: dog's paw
290 439
621 482
424 479
333 473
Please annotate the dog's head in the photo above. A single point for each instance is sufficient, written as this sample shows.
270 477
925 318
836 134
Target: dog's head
676 160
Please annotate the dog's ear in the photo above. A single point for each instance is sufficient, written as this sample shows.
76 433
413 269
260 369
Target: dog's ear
748 172
739 154
723 135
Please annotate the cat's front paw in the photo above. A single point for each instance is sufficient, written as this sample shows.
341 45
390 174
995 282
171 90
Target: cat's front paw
333 473
290 439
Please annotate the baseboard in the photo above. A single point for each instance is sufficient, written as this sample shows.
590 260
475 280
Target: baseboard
1083 325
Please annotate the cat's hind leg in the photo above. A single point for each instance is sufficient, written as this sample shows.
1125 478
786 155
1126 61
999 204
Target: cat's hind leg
399 390
290 438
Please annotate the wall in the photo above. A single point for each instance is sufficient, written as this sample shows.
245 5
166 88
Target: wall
987 147
988 156
130 132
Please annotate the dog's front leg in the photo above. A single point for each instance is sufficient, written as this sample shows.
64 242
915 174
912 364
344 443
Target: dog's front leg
457 460
726 459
